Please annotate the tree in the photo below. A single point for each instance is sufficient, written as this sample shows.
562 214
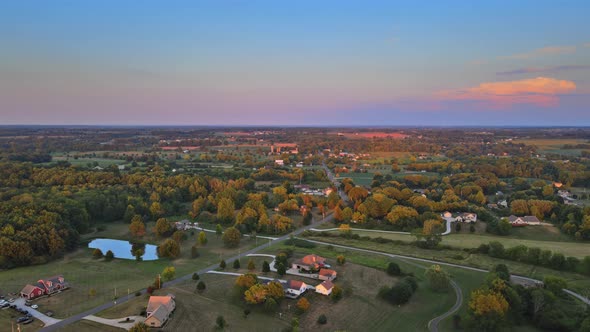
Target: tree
504 227
256 294
438 279
275 290
202 238
341 259
218 230
225 210
139 327
281 269
488 307
109 256
222 264
169 249
237 264
554 284
322 319
246 281
303 305
337 293
156 210
195 251
179 236
163 228
201 286
231 237
338 214
265 267
220 322
393 269
97 254
137 227
196 276
251 265
169 273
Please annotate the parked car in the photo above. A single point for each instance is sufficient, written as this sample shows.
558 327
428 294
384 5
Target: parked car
28 321
28 304
11 300
49 314
34 306
21 319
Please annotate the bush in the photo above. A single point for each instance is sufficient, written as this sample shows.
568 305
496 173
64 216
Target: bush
201 286
138 293
322 319
393 269
303 305
109 256
496 249
97 254
196 276
337 293
231 237
438 279
222 264
220 322
265 267
237 264
341 259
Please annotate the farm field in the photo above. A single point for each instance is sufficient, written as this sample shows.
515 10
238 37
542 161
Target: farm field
105 278
538 239
575 281
555 145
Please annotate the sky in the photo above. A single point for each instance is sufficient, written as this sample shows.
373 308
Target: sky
287 63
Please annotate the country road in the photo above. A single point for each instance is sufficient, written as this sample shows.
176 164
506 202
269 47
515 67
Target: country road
433 324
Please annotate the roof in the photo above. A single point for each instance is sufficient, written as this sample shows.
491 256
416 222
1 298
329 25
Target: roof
156 301
161 313
295 284
312 260
530 219
327 285
512 218
28 289
327 272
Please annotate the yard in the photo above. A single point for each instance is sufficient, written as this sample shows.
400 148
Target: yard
8 319
94 282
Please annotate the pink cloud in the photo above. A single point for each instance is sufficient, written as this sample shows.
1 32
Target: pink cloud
540 91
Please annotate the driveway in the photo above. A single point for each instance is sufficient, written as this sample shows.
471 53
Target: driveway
20 303
116 322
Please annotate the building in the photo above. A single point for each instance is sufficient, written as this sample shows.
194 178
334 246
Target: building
523 221
294 288
280 162
30 292
325 288
309 263
327 274
159 309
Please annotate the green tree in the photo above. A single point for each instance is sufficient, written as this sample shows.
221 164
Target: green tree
554 284
265 267
237 264
438 279
251 265
109 256
393 269
218 230
97 254
202 238
220 322
201 286
196 276
222 264
169 273
231 237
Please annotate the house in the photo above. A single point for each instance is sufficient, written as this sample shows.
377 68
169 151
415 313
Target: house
159 309
492 206
30 292
121 167
52 284
98 168
503 203
183 225
327 274
467 217
557 184
309 263
523 221
280 162
325 288
299 165
294 288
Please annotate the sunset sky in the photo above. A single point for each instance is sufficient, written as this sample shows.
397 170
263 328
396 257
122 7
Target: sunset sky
315 63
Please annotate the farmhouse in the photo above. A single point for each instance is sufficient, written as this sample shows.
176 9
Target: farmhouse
325 288
523 221
294 288
31 292
159 309
183 225
467 217
327 274
309 263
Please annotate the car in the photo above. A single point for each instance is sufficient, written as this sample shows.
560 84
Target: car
24 312
11 300
49 314
21 319
28 321
34 306
28 304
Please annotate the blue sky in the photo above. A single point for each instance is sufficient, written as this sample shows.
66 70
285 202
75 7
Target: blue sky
295 63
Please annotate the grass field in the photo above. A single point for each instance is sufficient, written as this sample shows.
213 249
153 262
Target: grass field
9 315
89 326
555 145
84 273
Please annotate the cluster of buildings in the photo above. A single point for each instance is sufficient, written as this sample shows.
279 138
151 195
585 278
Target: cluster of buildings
305 189
44 287
465 217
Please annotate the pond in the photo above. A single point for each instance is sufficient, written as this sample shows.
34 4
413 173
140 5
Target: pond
125 249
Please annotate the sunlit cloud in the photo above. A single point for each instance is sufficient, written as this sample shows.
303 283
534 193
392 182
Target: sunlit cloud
549 69
540 91
544 51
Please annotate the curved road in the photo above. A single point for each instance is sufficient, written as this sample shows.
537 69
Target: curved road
433 324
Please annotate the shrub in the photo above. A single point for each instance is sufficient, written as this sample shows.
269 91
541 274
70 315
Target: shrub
251 265
97 254
222 264
438 279
220 322
201 286
109 256
237 264
322 319
496 249
265 267
281 269
138 293
196 276
246 312
337 293
393 269
341 259
303 305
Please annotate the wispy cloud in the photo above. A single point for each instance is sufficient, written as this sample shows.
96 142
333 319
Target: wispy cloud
548 50
549 69
540 91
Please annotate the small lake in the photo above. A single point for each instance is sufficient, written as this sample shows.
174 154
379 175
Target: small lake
125 249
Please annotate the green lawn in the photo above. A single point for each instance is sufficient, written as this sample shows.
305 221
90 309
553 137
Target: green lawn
121 276
9 316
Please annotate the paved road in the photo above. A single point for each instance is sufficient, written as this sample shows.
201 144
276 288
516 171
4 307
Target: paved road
20 303
433 324
126 298
513 277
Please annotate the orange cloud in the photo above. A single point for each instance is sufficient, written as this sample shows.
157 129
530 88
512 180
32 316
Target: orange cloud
540 91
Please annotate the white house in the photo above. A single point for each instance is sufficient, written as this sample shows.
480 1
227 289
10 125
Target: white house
280 162
325 288
159 309
522 221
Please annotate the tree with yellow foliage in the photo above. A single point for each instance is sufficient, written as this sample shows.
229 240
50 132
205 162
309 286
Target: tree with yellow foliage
488 309
256 294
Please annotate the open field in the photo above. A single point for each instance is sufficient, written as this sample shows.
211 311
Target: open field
9 316
89 326
121 276
555 145
539 237
575 281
